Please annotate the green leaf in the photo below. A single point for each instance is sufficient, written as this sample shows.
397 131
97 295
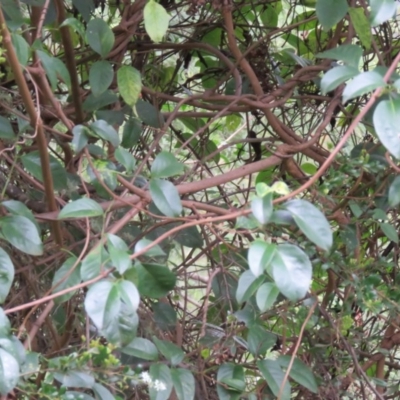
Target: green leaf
348 53
75 24
17 208
336 76
33 165
85 8
165 165
394 192
165 197
100 36
155 280
386 119
156 20
9 372
81 208
184 383
93 103
119 253
225 373
141 348
259 256
299 372
170 351
361 25
149 114
312 222
22 234
162 374
389 231
381 11
101 75
65 278
6 130
49 66
362 84
75 379
155 251
81 137
292 271
259 340
262 208
106 132
274 375
93 263
247 286
266 296
5 326
131 133
6 275
21 48
102 393
129 83
330 12
125 158
189 237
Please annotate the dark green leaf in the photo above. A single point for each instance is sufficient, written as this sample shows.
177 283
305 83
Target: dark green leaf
6 130
65 277
362 84
165 165
22 234
189 237
17 208
155 280
81 137
226 372
259 340
93 103
312 222
100 36
291 270
6 275
101 75
165 197
81 208
386 121
160 373
85 8
170 351
155 251
125 158
75 24
21 48
394 192
141 348
75 379
348 53
105 131
131 133
389 231
361 25
330 12
129 84
274 375
184 383
247 286
149 114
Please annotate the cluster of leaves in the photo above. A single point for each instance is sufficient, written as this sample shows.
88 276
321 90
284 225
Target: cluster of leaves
170 227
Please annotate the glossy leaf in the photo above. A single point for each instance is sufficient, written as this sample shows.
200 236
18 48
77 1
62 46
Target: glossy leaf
274 375
129 83
149 114
225 373
105 131
336 76
382 10
292 271
262 208
101 75
259 256
386 119
247 286
75 24
330 12
389 231
266 296
350 54
81 137
125 158
18 208
156 20
165 165
6 274
93 263
362 84
66 277
22 234
162 374
184 383
312 222
299 372
165 197
141 348
9 372
81 208
170 351
100 36
119 253
394 192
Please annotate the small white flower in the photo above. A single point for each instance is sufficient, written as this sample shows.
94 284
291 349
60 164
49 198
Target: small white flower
159 385
146 378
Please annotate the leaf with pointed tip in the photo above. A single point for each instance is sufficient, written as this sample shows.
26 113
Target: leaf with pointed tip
165 165
81 208
262 208
156 20
100 36
165 197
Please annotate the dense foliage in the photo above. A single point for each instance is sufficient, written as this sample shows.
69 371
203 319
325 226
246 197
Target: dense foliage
199 199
